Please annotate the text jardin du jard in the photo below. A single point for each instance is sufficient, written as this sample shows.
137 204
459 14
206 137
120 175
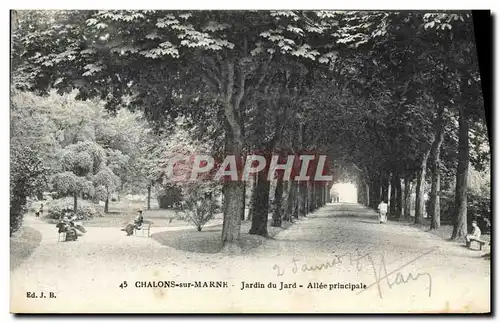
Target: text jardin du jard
294 285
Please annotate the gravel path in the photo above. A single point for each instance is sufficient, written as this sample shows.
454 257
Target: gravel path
337 244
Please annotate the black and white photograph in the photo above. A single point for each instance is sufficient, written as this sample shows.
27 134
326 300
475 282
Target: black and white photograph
250 161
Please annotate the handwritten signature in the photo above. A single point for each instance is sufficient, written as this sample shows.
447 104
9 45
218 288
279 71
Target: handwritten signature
380 271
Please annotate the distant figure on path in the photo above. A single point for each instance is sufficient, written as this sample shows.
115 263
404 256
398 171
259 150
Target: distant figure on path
382 212
139 219
40 212
476 233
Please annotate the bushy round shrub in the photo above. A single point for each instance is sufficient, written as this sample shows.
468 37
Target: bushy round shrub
479 205
85 210
57 211
169 197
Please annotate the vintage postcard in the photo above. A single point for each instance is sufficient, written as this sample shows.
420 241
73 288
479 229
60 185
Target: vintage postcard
249 161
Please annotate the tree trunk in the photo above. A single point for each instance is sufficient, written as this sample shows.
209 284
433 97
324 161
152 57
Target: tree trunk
325 193
376 192
367 188
252 198
390 194
149 196
322 194
292 204
407 197
399 197
243 205
224 200
232 219
310 197
295 200
75 202
380 191
261 205
278 195
419 199
307 198
260 198
372 191
232 95
314 193
302 198
460 223
434 206
317 193
290 201
393 205
106 204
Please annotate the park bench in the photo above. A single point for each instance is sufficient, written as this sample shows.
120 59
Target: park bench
61 236
144 228
479 241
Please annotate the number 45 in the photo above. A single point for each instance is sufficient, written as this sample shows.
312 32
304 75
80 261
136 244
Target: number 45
124 284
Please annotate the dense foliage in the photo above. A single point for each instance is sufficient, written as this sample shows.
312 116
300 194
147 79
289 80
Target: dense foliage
86 210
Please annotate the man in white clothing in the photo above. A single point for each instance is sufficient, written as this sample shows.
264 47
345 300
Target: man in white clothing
382 212
476 233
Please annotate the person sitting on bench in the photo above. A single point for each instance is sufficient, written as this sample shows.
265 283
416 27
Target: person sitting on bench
476 233
66 227
77 225
139 219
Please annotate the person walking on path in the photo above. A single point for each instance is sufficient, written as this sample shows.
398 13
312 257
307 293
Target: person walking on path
382 212
39 212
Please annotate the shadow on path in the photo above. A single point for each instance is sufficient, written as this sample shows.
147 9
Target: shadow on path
209 239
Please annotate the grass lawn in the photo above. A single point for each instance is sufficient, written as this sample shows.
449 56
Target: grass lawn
22 245
119 218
